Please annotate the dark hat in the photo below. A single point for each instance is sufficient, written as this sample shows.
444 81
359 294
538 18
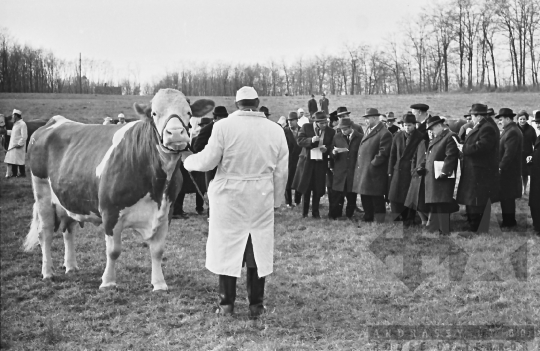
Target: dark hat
536 116
320 116
421 107
345 122
390 116
433 120
522 113
204 121
312 95
371 112
506 112
220 111
468 114
490 112
479 109
292 116
341 111
265 110
409 118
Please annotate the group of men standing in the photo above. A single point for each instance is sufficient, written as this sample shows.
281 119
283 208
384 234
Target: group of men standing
414 169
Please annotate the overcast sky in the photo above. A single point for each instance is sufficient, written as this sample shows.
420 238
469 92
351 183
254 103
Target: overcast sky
157 35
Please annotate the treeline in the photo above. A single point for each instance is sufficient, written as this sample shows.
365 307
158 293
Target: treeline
24 69
456 45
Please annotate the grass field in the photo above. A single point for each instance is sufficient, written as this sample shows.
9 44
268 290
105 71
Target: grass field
328 284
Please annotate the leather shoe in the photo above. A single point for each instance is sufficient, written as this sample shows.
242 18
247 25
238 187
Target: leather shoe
256 310
225 310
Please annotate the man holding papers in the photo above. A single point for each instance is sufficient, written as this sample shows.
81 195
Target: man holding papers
316 139
441 164
510 148
344 152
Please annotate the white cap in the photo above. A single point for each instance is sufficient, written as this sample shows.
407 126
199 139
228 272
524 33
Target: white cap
246 93
300 110
108 118
17 112
303 120
121 115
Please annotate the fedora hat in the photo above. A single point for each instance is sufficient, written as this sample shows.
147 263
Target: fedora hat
342 111
479 109
292 116
536 115
320 116
265 110
371 112
390 116
345 122
505 112
204 121
409 118
220 111
421 107
433 121
490 111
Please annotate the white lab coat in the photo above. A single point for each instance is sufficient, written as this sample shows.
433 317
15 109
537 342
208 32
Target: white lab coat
252 157
19 134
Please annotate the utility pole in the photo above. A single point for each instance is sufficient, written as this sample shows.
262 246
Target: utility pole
80 74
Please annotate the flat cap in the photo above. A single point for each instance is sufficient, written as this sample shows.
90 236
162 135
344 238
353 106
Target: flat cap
421 107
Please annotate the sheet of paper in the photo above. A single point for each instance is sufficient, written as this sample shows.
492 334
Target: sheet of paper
341 149
438 166
316 154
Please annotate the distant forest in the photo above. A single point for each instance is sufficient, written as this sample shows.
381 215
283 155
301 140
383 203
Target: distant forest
457 45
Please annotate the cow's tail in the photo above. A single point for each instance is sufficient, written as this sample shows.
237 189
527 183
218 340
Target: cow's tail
32 238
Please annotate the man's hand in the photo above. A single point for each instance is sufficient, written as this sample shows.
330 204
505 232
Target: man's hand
529 159
421 171
315 139
443 176
460 147
323 149
185 154
467 131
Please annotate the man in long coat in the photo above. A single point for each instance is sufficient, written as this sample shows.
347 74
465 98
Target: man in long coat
390 120
534 193
312 106
16 151
529 137
291 134
510 149
324 103
344 167
479 182
442 152
251 154
370 176
342 112
404 146
316 139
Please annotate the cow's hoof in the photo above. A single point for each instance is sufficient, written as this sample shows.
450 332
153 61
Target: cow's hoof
107 286
48 278
72 270
161 287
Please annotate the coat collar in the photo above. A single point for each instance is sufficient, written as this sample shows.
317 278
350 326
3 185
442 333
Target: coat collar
509 126
438 138
476 127
374 131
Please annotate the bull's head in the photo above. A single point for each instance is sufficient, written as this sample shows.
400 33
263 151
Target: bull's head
170 112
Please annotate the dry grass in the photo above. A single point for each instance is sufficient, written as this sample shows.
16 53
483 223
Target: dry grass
327 285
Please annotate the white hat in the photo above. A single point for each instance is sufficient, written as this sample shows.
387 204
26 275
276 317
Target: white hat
17 112
108 119
121 115
300 110
303 120
246 93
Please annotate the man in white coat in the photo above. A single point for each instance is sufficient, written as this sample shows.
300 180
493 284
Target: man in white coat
16 151
251 156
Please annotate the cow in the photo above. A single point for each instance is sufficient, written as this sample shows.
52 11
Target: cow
119 176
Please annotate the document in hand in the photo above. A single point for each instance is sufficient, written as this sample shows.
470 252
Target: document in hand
437 167
316 153
341 149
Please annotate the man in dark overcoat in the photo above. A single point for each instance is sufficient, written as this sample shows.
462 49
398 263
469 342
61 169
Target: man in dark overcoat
479 182
344 166
421 112
442 152
529 137
404 147
312 106
467 126
390 120
324 104
342 112
315 138
534 192
370 176
291 134
510 149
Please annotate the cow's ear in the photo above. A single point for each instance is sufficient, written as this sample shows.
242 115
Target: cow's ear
202 107
142 110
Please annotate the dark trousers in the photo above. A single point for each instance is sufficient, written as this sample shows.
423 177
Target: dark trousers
306 198
255 285
337 201
289 199
535 215
508 209
398 210
374 207
475 217
440 218
21 170
179 203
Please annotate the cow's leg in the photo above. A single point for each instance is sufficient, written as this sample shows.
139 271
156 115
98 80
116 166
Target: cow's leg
157 247
114 248
70 261
47 215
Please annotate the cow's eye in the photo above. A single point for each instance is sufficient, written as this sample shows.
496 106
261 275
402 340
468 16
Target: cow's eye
154 114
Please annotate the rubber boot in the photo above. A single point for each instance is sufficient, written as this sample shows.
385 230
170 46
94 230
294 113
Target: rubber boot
255 290
227 294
